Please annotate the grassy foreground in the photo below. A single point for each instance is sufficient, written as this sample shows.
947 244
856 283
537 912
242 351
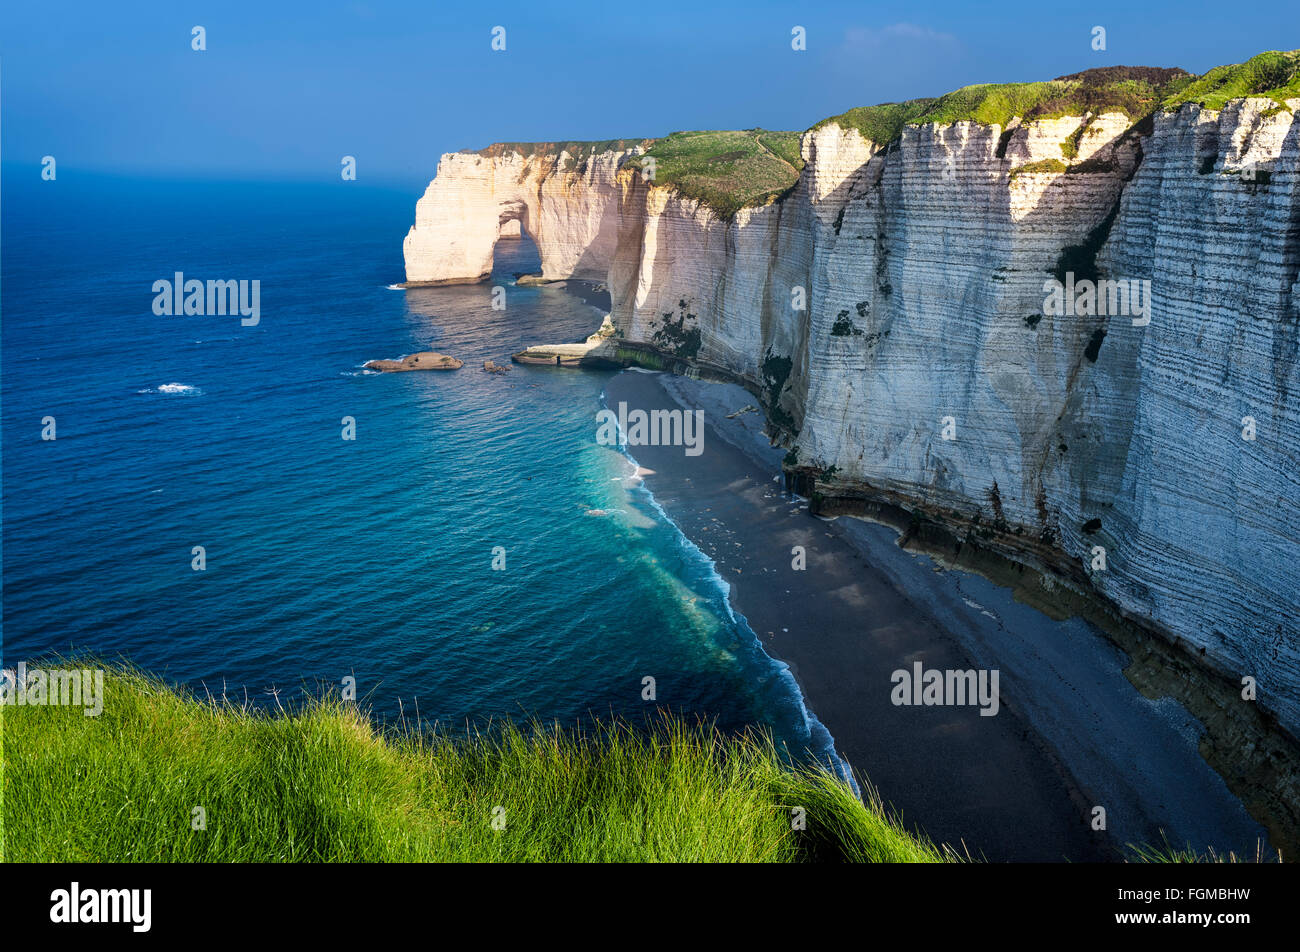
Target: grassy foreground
320 784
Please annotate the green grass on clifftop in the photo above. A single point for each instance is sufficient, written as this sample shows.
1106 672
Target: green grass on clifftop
1271 75
727 170
731 170
1135 91
883 123
320 784
579 150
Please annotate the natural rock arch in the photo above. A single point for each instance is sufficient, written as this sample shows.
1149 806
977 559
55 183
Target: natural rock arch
568 205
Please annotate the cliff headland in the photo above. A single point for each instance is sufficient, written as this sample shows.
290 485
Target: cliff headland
1048 328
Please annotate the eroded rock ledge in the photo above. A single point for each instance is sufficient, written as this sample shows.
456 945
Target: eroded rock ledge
424 360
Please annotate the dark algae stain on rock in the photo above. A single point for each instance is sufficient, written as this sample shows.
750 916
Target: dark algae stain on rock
677 338
1094 345
776 370
1081 259
844 326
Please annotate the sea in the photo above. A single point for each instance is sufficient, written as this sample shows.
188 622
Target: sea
470 556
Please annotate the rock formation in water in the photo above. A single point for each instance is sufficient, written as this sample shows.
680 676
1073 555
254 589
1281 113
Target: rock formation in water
424 360
922 307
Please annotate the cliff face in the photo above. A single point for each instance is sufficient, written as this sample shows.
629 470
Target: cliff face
1207 523
890 310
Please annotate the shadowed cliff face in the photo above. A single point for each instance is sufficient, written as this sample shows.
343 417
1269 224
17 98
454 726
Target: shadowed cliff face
890 310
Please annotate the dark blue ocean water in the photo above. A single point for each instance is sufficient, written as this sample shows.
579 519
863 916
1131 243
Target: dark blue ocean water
325 557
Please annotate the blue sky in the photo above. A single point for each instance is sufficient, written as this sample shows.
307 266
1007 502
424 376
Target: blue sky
285 89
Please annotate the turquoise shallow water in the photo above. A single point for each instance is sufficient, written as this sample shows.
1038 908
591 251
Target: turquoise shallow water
325 557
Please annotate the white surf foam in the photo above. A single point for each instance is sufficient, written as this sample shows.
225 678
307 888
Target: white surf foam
822 743
174 389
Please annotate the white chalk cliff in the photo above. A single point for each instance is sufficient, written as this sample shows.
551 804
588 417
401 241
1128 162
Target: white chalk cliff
922 266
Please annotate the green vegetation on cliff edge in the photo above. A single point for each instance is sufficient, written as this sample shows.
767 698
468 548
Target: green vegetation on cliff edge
320 784
731 170
1135 91
578 150
1270 75
727 171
